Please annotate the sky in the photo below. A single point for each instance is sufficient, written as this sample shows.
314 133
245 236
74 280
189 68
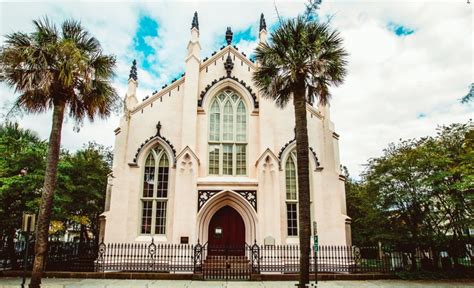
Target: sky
409 61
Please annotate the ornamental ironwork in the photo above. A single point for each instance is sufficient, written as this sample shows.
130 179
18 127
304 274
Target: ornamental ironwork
197 257
151 255
255 258
249 195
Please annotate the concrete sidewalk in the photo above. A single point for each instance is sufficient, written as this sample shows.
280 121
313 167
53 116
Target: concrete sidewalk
99 283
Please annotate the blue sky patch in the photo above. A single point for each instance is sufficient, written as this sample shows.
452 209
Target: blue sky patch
147 27
399 29
246 35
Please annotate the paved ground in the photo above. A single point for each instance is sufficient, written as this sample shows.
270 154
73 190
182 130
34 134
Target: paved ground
93 283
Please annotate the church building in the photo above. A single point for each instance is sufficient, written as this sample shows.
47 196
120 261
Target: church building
208 159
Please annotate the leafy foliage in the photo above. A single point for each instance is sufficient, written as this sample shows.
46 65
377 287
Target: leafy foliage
81 184
82 187
419 193
19 149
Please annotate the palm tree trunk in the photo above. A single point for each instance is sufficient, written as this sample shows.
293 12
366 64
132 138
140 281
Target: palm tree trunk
49 186
299 102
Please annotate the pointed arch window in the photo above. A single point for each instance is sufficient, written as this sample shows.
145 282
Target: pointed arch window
154 198
291 181
228 135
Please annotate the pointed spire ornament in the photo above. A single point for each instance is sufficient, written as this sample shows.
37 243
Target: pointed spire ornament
263 24
228 36
228 65
133 71
195 23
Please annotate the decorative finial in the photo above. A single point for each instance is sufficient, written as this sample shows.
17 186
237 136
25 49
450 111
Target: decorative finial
158 129
133 71
195 23
228 36
263 24
228 65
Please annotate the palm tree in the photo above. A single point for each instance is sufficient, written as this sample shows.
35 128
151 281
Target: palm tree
300 61
63 70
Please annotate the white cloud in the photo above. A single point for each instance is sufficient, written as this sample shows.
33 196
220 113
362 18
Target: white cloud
391 79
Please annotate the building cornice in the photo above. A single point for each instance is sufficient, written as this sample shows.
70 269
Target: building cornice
208 61
158 94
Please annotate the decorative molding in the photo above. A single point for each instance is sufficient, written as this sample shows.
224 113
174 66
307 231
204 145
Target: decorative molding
284 147
117 131
195 23
315 157
335 135
311 150
263 23
228 65
209 61
342 177
152 138
133 71
158 95
267 152
249 195
215 81
190 151
228 36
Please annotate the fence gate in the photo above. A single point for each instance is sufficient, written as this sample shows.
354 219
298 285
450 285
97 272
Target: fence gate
227 262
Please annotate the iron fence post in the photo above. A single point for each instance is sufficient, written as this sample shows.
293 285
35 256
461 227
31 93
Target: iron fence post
255 258
101 257
197 257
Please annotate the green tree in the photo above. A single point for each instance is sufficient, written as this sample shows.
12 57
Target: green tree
82 186
300 61
421 191
450 159
370 223
63 70
402 192
21 150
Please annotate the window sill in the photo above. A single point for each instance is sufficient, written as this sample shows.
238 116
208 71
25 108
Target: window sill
292 240
227 180
147 238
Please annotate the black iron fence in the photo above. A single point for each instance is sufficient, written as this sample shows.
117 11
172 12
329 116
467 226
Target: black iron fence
232 262
61 256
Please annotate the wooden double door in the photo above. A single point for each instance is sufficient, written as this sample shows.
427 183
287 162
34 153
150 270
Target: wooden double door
226 234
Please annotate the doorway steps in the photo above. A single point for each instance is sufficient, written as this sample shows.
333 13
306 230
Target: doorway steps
226 268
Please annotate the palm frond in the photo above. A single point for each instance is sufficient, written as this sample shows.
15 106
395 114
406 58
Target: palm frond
300 50
49 66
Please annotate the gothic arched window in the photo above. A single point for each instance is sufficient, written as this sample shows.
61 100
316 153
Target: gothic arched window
227 135
291 181
154 197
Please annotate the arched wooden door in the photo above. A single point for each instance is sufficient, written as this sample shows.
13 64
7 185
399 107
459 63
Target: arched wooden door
226 234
